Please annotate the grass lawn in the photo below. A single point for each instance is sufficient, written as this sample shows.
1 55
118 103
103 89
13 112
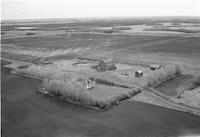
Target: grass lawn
104 92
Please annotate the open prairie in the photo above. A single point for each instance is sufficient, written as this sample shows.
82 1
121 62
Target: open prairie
151 48
56 49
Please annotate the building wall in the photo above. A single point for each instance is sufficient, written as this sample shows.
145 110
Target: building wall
106 65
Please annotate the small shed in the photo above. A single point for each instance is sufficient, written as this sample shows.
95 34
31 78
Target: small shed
155 67
139 73
85 83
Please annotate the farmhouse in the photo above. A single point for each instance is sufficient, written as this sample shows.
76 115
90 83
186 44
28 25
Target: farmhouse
107 64
155 67
85 83
139 73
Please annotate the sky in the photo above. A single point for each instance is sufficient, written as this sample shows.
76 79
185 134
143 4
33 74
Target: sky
38 9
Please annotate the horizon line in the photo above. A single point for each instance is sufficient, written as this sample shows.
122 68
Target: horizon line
111 17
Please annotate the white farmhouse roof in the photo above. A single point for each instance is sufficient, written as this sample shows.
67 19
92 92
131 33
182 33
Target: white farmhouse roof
139 71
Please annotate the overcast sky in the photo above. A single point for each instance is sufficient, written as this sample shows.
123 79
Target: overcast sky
32 9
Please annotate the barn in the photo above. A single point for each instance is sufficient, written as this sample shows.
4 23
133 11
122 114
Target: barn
107 64
139 73
155 67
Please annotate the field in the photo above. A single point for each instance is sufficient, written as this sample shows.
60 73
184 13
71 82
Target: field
58 50
103 92
191 97
173 87
168 49
25 112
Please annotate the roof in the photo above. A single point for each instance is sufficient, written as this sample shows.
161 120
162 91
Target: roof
155 66
139 71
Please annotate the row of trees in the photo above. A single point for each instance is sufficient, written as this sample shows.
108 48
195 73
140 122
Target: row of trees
160 75
68 92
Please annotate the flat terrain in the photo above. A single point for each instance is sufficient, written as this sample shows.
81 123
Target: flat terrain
103 92
165 44
28 113
25 112
173 87
149 48
191 98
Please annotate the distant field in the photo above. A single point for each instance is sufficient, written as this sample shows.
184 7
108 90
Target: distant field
153 44
54 41
61 41
102 23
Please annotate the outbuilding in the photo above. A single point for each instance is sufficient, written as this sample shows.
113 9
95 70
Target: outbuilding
139 73
107 64
155 67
